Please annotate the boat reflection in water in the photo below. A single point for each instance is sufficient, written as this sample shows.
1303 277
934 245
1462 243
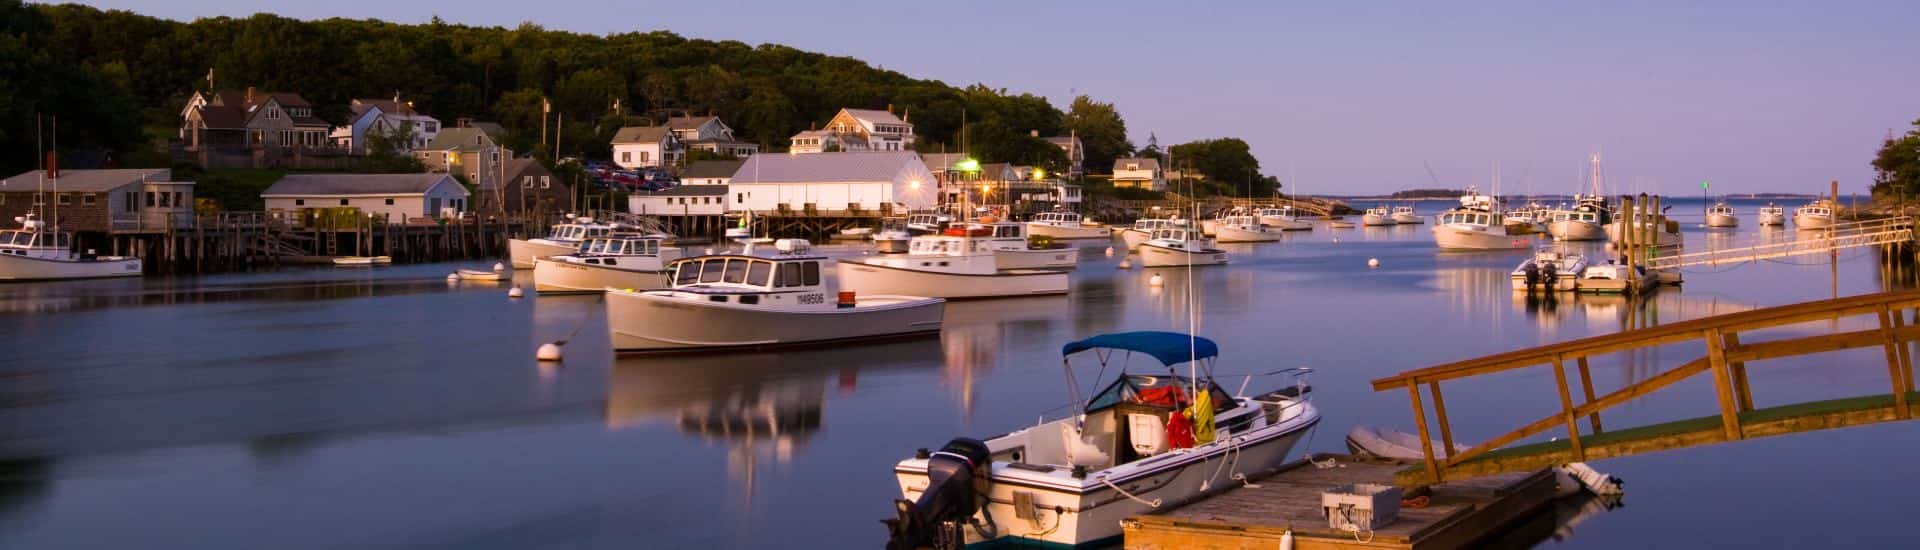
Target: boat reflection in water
1554 523
975 332
760 406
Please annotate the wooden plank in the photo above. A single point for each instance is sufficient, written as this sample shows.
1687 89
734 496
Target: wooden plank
1723 385
1619 396
1566 408
1426 441
1440 415
1586 385
1742 392
1892 345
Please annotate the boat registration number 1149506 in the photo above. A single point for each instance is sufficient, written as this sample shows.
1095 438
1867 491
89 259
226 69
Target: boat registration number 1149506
811 299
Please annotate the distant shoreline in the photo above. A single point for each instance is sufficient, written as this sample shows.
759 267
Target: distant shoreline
1568 198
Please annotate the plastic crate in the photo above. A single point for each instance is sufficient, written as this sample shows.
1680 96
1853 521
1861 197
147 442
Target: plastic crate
1360 506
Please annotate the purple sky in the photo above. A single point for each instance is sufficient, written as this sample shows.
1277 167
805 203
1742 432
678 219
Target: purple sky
1355 96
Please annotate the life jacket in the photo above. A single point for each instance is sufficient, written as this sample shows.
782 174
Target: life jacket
1179 431
1202 414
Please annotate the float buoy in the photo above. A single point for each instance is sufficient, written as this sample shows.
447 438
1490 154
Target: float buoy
515 292
1126 264
548 352
1373 263
1155 280
499 267
453 277
1109 252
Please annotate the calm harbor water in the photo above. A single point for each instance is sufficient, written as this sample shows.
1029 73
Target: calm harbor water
387 408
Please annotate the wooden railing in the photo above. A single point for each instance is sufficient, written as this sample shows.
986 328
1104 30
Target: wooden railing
1727 357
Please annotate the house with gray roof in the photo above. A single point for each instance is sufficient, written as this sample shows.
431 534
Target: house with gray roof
1143 173
470 149
854 130
684 200
395 197
253 119
636 147
100 201
710 172
868 181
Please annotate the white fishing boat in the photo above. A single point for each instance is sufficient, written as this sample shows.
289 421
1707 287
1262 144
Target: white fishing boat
1012 249
1549 269
853 234
1125 451
620 260
1388 443
1143 228
562 238
480 275
1477 225
1283 217
1377 216
1586 221
1244 229
1772 214
947 266
1066 226
1665 231
1815 215
893 236
36 252
1405 215
754 300
362 261
927 223
1722 215
1180 246
1615 278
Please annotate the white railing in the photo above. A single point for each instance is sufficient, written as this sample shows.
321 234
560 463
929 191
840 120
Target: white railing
1806 242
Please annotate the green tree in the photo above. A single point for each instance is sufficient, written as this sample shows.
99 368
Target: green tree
387 150
1101 130
1897 165
1228 165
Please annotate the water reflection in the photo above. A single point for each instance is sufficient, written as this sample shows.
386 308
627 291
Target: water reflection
1556 523
974 332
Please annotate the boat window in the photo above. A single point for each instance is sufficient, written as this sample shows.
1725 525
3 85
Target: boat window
812 271
750 299
710 271
757 274
613 261
736 271
790 274
687 274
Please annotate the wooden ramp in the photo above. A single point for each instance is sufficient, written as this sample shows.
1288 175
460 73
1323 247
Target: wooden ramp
1726 360
1842 236
1459 513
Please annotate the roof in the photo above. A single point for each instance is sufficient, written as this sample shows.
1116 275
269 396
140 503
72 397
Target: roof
640 134
688 122
813 133
456 139
686 191
517 167
1171 348
1145 163
86 181
1062 141
874 116
941 162
356 184
493 129
712 169
825 167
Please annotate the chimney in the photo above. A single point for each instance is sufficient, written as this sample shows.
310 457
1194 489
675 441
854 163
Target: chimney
889 108
53 165
249 97
463 122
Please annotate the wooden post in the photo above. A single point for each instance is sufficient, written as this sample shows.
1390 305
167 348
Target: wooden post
1566 409
1723 385
1440 416
1890 344
1586 384
1625 242
1906 357
1426 441
1742 392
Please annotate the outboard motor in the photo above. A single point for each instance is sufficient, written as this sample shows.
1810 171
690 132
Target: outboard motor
948 501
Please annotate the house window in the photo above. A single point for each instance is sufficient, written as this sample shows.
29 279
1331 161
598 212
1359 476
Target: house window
87 199
66 199
496 156
150 199
343 202
389 202
165 200
273 113
643 157
299 202
739 197
626 157
286 138
546 182
176 200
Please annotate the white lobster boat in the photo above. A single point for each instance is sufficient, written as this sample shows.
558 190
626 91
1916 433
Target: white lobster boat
1564 270
1283 217
1772 214
893 236
1180 246
750 301
927 223
39 253
563 238
1406 216
1013 250
947 266
616 261
1143 228
1066 226
1244 229
1377 216
1586 221
1722 215
1816 215
1069 482
1476 225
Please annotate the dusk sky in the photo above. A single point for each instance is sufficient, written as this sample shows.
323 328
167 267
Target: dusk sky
1354 97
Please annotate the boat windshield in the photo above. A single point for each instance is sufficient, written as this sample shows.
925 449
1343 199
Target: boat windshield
737 270
1161 392
15 238
1467 218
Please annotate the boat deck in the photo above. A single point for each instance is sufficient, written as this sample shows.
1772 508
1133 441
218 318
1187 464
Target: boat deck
1459 513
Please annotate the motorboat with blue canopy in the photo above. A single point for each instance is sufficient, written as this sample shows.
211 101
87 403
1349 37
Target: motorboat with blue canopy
1150 437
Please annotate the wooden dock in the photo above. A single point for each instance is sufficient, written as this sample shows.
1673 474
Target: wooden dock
1459 514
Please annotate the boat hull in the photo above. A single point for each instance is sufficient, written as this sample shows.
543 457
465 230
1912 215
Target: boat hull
1576 230
1133 238
1722 220
867 278
1286 224
1158 256
1231 234
557 277
1812 222
653 322
28 268
1060 232
1408 219
1448 237
1773 219
1028 258
891 246
1093 517
1376 220
522 252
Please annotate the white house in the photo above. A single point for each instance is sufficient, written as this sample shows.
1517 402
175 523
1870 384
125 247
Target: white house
646 147
1143 173
871 181
854 130
371 116
684 200
709 133
397 196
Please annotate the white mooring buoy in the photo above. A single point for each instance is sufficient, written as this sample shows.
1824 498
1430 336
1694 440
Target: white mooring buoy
1109 252
453 276
515 292
1373 262
499 267
1155 280
1126 264
548 352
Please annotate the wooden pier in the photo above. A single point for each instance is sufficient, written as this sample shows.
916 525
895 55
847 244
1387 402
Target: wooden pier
1459 514
237 240
1727 357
